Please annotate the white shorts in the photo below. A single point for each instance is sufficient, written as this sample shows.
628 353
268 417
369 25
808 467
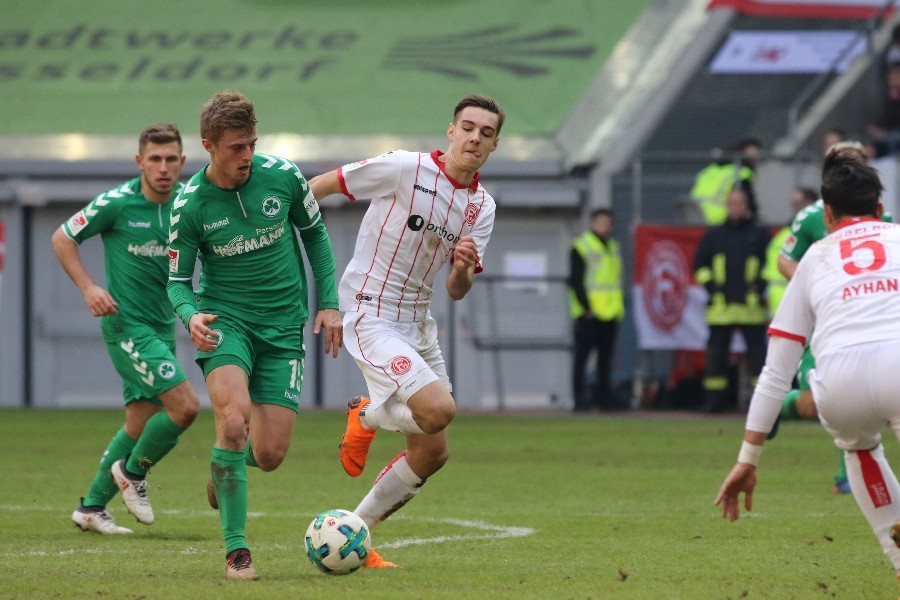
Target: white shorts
397 359
857 393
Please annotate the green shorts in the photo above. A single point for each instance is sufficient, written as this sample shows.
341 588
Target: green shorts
271 355
807 363
144 360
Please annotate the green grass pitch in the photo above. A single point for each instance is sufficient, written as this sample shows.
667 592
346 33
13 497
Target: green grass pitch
529 506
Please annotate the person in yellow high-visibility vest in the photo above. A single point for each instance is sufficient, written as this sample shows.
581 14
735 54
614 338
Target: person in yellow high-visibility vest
596 306
728 263
801 197
715 181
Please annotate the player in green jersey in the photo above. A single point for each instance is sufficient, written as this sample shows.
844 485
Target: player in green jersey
807 228
241 215
137 322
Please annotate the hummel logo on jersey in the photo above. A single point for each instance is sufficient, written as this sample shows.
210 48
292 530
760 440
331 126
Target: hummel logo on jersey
271 206
425 190
143 224
416 223
216 225
151 248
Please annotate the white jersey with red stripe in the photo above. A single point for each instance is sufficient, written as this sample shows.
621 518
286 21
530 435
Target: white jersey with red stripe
416 216
848 286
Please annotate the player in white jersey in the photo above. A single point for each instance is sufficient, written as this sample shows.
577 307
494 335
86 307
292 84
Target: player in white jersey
426 210
847 287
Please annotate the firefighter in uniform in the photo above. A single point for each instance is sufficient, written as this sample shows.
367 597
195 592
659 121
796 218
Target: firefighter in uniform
596 306
729 264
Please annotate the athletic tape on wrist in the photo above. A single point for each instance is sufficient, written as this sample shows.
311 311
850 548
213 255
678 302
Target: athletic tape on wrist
749 453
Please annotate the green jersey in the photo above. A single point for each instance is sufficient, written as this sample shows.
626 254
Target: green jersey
808 227
251 263
134 232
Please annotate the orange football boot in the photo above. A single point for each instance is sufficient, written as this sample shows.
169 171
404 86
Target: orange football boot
374 561
357 439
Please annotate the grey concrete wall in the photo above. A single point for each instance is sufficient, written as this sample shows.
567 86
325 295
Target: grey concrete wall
70 368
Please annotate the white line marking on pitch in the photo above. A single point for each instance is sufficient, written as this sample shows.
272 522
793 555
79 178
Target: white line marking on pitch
490 530
497 532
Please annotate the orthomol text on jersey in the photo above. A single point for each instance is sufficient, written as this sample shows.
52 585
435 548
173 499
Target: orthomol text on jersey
241 245
416 222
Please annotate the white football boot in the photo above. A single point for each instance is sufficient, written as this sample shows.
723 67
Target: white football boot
97 521
134 493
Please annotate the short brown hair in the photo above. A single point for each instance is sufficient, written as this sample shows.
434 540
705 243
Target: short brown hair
479 101
226 110
160 133
851 188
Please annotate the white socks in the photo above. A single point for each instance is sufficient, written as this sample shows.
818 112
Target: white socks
394 487
393 416
877 493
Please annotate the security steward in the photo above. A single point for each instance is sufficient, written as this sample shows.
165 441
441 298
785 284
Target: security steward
596 306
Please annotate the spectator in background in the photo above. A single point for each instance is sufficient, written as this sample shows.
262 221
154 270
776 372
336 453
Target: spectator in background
832 136
596 306
713 184
776 283
728 263
885 132
892 54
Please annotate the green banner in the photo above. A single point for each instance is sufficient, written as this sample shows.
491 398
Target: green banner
312 67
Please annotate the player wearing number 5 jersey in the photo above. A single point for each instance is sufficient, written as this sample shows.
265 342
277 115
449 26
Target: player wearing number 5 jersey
426 210
241 215
807 228
847 287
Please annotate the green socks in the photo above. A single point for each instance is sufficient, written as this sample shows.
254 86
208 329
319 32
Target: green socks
229 476
103 488
789 406
250 459
841 474
160 435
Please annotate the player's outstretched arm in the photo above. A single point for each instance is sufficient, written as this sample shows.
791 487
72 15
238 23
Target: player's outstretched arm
324 185
98 300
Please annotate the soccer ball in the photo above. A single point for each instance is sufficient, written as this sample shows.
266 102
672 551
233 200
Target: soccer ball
338 542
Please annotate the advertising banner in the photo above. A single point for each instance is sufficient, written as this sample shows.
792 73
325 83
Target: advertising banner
669 307
811 9
783 52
